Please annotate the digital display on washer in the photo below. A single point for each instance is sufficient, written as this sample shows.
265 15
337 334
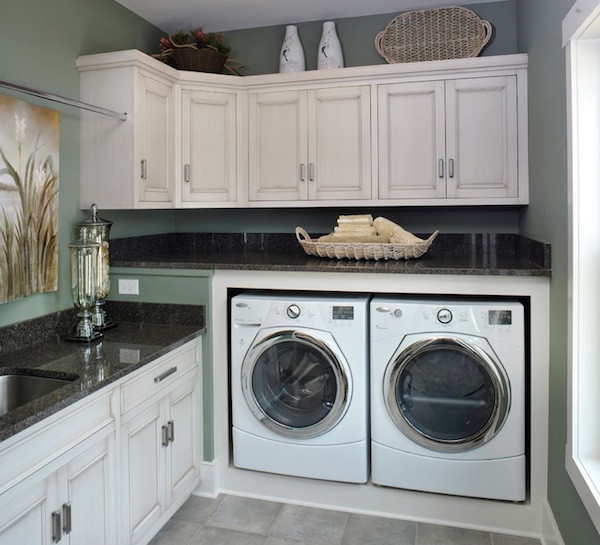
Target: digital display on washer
500 317
342 313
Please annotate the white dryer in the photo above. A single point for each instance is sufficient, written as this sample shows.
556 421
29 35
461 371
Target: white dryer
448 396
299 385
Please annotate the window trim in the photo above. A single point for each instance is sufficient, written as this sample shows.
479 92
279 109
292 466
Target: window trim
581 39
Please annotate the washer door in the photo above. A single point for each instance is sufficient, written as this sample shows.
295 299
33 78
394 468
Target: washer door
295 384
448 394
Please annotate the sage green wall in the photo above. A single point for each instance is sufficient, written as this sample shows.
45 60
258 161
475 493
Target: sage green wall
258 48
40 42
539 34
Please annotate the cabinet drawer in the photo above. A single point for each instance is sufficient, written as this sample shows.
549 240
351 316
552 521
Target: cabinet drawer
163 372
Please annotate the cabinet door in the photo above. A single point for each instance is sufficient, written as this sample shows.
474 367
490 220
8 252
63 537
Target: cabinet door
183 454
411 140
482 139
26 513
154 136
277 146
339 159
89 498
209 154
143 471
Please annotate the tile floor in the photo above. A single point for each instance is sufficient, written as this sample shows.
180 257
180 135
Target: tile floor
232 520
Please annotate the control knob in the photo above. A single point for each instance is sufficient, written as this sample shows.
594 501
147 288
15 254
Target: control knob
444 316
293 311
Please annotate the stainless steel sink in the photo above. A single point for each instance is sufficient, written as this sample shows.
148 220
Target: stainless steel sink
16 390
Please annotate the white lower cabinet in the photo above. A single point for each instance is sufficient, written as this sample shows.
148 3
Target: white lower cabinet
159 456
97 474
74 504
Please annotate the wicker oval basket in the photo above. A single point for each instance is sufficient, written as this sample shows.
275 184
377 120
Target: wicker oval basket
433 34
362 250
199 60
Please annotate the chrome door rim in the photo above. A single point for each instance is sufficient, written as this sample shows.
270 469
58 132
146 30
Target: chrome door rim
340 406
494 370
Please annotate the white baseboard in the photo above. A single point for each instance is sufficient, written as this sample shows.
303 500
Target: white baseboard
208 486
550 533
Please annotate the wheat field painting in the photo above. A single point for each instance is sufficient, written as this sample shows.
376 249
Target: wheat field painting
29 159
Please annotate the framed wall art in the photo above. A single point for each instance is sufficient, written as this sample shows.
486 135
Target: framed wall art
29 168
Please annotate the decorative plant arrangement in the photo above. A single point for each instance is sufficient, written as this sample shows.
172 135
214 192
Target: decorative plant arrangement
198 51
28 199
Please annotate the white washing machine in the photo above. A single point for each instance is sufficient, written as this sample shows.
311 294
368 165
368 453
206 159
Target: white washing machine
299 385
448 397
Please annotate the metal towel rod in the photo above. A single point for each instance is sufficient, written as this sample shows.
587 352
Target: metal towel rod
63 100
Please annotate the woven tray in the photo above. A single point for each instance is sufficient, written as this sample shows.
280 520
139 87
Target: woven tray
433 34
362 250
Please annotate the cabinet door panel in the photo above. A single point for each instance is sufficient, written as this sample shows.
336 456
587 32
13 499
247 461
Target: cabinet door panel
481 118
155 168
183 450
411 140
339 143
142 455
209 146
91 491
26 513
277 146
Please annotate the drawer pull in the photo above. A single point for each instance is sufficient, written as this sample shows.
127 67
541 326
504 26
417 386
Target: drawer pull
166 374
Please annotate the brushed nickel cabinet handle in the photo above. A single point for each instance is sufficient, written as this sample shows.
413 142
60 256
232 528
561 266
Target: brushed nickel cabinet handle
56 527
165 435
451 168
66 509
186 173
311 172
166 374
144 169
440 168
171 430
302 172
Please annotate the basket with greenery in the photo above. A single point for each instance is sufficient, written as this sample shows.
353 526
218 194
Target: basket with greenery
196 51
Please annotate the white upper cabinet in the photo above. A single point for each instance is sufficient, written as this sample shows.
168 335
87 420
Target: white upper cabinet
309 145
127 164
454 139
208 148
411 134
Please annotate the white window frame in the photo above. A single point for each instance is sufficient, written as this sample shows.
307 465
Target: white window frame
581 39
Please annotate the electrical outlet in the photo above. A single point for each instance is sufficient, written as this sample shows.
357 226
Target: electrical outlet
129 286
129 355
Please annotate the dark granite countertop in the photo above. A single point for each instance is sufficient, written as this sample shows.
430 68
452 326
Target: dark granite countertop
144 332
478 254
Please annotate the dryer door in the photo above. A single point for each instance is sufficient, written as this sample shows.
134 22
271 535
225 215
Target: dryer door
447 393
295 383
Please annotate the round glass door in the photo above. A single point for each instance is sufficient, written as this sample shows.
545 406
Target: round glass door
295 384
447 394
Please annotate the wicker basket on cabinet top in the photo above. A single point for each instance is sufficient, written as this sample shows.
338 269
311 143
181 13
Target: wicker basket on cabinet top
433 34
